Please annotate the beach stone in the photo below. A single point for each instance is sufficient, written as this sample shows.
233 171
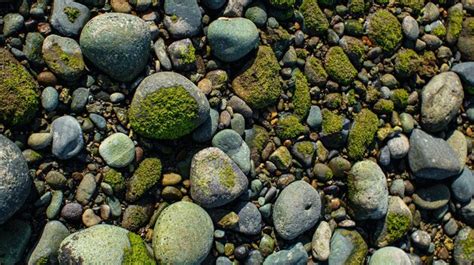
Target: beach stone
390 255
462 186
410 28
398 146
315 118
281 157
14 239
53 234
206 130
304 151
216 179
396 223
118 150
183 234
432 198
72 211
67 137
321 241
441 99
296 210
86 189
63 57
368 193
296 255
15 182
466 39
231 143
232 38
458 144
118 44
347 247
431 157
49 98
250 219
421 239
183 18
80 97
68 17
465 70
39 141
55 205
12 23
167 105
32 48
463 253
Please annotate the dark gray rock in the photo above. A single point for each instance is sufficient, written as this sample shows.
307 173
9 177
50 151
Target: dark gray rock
467 213
14 238
68 17
250 219
12 23
296 255
80 96
182 55
465 70
432 198
32 48
410 28
183 18
463 186
347 246
67 137
206 130
421 239
49 98
160 50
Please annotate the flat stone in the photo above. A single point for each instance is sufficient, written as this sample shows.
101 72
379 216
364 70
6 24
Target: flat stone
321 241
390 255
53 234
432 198
118 150
183 18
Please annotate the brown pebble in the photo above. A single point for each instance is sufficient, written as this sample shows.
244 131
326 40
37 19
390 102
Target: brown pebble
105 211
229 220
138 154
121 6
44 28
186 183
170 179
47 78
89 218
205 85
335 203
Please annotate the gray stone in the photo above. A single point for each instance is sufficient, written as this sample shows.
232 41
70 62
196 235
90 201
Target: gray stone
463 254
466 40
463 186
206 130
465 70
183 18
430 12
296 255
398 146
68 17
232 38
237 123
321 241
467 213
410 28
458 143
235 147
296 210
183 234
32 48
315 118
421 239
86 189
432 198
347 246
15 182
398 188
182 55
235 8
118 44
368 193
80 96
396 223
389 256
160 51
250 219
12 23
431 157
304 151
257 14
99 121
49 98
67 137
63 57
72 211
14 238
118 150
55 205
53 234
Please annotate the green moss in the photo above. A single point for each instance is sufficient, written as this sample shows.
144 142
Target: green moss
305 148
260 139
353 27
454 22
187 55
302 53
384 106
18 96
362 134
356 6
301 97
289 126
400 98
357 256
333 100
372 94
406 62
328 3
168 113
282 3
42 261
397 226
314 20
355 49
339 67
72 13
115 179
382 2
227 176
467 244
137 253
332 123
415 5
146 176
351 98
439 31
385 30
315 72
259 85
428 66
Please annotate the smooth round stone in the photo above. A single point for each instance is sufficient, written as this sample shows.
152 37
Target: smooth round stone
463 253
296 255
80 96
410 28
183 234
71 211
117 97
441 99
49 98
215 179
63 57
395 225
398 188
347 246
39 141
421 239
53 234
118 44
321 240
432 198
457 141
104 243
463 186
182 55
250 219
32 48
368 193
465 70
296 210
67 137
55 205
117 150
68 17
15 182
257 14
183 18
398 146
232 38
389 256
98 121
238 123
315 118
466 40
14 238
12 23
235 147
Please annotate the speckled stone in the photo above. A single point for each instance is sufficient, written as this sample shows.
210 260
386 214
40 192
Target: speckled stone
117 150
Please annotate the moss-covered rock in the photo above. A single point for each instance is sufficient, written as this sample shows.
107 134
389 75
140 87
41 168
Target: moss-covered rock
384 106
146 176
314 20
428 65
115 179
333 100
400 98
454 23
347 247
279 39
314 71
354 48
167 105
464 246
332 123
353 27
135 216
466 39
356 7
63 57
415 5
301 97
385 30
289 127
396 223
283 4
18 91
406 62
339 67
362 134
137 253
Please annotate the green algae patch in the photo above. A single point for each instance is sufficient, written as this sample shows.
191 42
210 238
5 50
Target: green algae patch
314 20
385 30
301 96
339 67
400 98
407 62
332 122
283 4
115 179
454 22
72 13
289 127
146 176
362 134
384 106
137 253
397 226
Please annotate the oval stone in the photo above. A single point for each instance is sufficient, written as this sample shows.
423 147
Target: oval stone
117 150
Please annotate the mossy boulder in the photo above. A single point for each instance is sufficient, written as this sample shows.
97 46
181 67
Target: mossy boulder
301 97
384 106
289 126
399 98
19 98
332 127
339 67
354 48
314 20
63 57
466 39
407 62
259 83
279 39
315 72
454 23
283 4
115 179
385 30
167 105
347 247
362 134
396 223
356 7
146 176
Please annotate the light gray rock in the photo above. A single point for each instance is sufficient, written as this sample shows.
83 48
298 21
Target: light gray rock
67 137
321 241
54 233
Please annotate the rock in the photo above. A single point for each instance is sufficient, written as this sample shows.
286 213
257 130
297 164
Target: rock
463 186
296 256
315 118
216 179
314 20
347 247
304 151
250 219
14 239
214 4
63 57
135 216
183 234
89 218
235 8
55 206
466 39
232 38
396 223
398 146
167 105
421 239
441 99
281 157
385 30
32 48
86 189
106 243
392 255
118 44
39 141
362 134
183 18
47 248
467 213
67 137
463 243
454 23
410 28
257 14
12 23
49 99
339 67
15 181
258 84
464 71
80 97
431 157
367 191
296 210
432 198
206 130
72 211
68 17
182 55
160 50
231 143
146 176
320 243
118 150
18 91
458 143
